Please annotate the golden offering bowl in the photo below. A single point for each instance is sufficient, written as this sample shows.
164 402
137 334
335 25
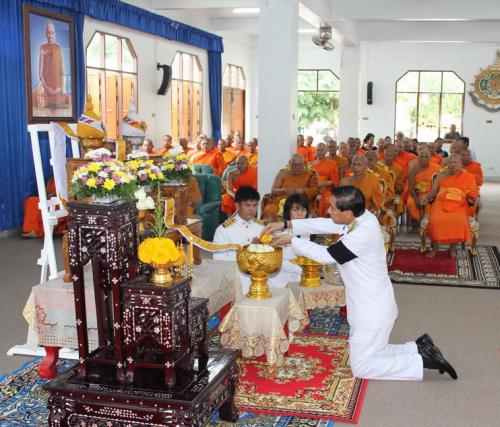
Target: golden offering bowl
259 266
161 276
266 238
310 277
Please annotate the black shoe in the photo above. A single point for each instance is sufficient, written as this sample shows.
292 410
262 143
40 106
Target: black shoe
432 356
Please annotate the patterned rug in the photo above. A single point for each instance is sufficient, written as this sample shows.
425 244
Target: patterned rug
408 266
23 402
315 381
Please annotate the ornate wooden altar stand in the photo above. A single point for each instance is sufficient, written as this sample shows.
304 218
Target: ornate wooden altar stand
144 330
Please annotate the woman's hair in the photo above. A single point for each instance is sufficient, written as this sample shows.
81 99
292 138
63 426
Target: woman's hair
368 136
298 199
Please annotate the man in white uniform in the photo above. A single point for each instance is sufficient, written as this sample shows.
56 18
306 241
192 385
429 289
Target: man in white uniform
371 306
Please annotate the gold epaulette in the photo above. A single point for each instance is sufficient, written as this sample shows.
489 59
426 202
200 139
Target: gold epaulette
258 221
228 222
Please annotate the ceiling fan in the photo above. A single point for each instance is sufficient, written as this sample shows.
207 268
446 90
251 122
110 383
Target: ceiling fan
323 40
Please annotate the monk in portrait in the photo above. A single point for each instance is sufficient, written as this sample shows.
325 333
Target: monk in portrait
50 91
294 179
453 190
209 155
244 174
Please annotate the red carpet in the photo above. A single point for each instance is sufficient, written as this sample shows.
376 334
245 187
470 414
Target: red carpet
412 261
315 381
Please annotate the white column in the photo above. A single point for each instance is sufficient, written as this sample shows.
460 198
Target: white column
349 93
278 51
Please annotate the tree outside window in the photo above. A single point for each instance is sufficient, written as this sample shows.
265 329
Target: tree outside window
111 78
186 97
318 103
428 102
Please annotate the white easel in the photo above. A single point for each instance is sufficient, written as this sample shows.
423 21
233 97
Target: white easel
51 209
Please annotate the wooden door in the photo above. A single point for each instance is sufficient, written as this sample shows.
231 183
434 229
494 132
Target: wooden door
233 111
227 111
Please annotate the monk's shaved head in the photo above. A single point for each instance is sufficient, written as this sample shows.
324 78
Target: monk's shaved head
297 164
321 150
455 163
359 165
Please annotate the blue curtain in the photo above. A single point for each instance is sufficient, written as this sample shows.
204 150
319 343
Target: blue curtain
215 91
17 176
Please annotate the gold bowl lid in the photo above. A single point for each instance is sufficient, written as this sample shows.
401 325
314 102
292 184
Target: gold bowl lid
304 261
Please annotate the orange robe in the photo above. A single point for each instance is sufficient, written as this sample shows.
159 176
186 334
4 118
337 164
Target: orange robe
327 171
370 186
237 152
402 160
253 158
249 177
348 172
306 180
192 151
229 156
212 158
436 158
448 222
384 173
423 184
475 169
306 152
399 187
312 151
194 197
52 71
33 216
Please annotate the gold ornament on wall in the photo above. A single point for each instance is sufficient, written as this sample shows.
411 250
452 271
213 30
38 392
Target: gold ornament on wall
486 87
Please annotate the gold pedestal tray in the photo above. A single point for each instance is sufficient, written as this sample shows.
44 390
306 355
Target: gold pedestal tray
259 265
310 277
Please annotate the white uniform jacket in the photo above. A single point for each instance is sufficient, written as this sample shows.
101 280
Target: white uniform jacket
361 259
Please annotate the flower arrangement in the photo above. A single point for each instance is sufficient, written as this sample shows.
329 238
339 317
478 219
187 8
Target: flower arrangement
99 154
176 166
144 202
145 172
160 251
103 179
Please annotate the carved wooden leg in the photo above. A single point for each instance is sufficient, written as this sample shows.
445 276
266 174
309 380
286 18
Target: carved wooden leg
228 411
47 368
65 252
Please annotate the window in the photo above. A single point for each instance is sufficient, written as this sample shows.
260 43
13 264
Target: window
233 100
186 96
428 102
111 78
318 103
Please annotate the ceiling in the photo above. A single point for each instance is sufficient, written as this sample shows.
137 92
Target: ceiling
354 21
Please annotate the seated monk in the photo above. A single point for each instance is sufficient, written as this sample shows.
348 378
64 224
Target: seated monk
453 189
209 155
304 151
328 176
435 157
368 182
390 154
471 166
253 154
421 146
244 174
351 153
456 147
229 156
147 146
420 183
386 175
197 146
240 148
309 146
183 142
33 224
295 179
342 162
403 157
166 142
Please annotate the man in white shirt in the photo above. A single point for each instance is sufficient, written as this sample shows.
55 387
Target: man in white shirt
371 306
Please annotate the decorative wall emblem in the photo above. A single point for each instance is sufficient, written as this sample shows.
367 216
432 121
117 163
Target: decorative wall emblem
486 87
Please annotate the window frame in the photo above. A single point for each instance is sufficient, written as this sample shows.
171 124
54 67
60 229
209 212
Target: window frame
118 71
239 68
427 92
317 80
195 62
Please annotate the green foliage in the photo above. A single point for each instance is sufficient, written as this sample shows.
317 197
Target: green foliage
316 106
158 224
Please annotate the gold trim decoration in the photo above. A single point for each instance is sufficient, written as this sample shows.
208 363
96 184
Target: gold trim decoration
486 87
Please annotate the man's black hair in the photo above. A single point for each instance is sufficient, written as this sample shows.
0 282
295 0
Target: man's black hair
245 192
298 199
349 198
465 139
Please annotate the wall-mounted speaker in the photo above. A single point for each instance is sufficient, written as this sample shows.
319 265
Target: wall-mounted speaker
369 93
165 81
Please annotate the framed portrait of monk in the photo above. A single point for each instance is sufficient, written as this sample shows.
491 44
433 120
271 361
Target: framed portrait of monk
49 56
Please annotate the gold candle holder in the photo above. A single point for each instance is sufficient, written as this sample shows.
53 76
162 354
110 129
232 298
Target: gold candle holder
310 277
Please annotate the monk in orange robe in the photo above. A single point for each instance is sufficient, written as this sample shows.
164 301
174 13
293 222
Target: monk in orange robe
451 192
472 166
229 156
342 162
253 154
385 174
166 142
402 159
33 224
435 157
197 146
295 179
309 146
147 146
328 177
420 183
368 182
209 155
241 148
183 142
50 91
304 151
244 174
456 147
390 154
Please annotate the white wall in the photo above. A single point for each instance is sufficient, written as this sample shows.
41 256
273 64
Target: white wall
384 64
155 109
